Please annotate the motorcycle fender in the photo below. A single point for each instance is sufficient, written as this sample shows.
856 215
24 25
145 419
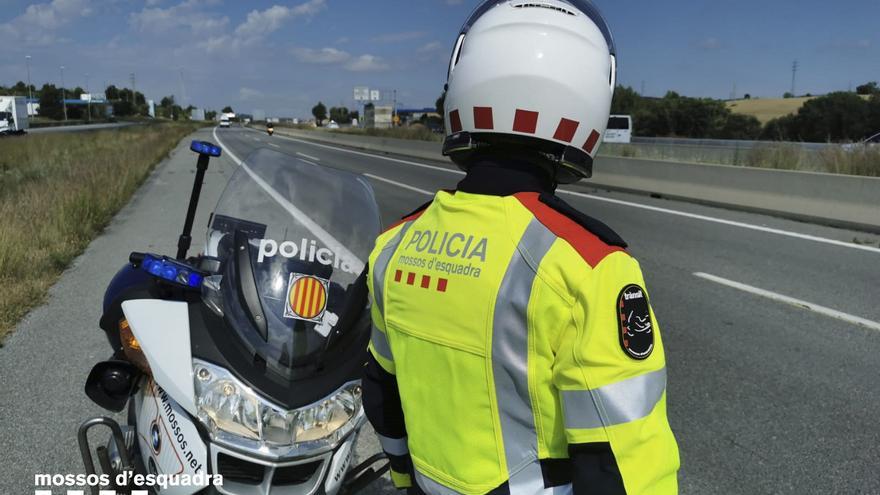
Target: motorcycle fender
168 439
162 329
339 465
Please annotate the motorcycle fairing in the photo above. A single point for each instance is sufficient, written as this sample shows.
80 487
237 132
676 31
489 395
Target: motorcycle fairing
168 439
162 329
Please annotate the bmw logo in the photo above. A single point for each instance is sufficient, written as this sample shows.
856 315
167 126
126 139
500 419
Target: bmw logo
155 438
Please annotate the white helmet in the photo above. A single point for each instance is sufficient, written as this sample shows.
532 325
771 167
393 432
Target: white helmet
537 74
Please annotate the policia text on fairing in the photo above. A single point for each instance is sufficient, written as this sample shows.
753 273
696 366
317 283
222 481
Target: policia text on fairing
439 247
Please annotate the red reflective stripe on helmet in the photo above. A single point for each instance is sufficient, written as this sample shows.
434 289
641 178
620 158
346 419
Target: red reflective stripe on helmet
483 118
587 244
525 121
590 145
455 121
566 130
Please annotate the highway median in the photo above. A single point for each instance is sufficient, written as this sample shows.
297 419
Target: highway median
834 199
58 192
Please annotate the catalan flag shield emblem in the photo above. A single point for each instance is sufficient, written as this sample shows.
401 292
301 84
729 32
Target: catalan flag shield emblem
306 297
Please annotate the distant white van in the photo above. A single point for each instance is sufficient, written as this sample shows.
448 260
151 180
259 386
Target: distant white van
224 121
619 129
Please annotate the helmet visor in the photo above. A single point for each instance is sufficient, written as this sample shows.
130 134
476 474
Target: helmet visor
584 7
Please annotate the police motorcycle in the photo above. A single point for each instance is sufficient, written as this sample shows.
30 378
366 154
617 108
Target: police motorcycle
243 361
270 128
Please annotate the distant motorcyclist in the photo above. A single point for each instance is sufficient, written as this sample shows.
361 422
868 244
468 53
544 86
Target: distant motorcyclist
514 349
270 128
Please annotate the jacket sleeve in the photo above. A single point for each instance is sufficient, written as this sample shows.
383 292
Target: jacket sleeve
381 399
610 371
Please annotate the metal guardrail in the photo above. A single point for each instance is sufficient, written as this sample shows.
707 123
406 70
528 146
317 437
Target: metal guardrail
838 200
723 143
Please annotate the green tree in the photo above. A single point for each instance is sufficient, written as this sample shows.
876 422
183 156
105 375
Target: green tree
440 104
340 115
626 100
210 115
227 109
50 102
320 113
870 88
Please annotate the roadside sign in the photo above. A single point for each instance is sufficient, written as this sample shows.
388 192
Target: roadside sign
361 93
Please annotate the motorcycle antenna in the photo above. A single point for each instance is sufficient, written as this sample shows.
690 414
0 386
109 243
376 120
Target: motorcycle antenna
205 151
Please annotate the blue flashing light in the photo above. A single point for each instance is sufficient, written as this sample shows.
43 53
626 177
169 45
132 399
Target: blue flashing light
172 271
205 148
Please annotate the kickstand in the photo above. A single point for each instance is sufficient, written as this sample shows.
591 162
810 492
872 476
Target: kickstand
363 474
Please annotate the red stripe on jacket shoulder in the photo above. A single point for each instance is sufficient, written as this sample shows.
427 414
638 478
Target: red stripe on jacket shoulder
591 248
409 218
415 214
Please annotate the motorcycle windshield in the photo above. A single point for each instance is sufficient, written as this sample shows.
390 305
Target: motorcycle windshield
293 239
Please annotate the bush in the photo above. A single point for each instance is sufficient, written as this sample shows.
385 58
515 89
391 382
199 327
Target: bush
679 116
835 117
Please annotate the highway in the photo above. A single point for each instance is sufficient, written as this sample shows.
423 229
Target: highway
772 327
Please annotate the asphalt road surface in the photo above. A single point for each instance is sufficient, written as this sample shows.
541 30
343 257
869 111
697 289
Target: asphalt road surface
772 327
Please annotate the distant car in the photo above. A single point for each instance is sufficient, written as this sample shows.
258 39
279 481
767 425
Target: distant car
224 122
619 129
871 142
332 125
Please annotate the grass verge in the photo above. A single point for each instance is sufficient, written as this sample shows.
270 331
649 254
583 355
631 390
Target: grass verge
59 191
782 156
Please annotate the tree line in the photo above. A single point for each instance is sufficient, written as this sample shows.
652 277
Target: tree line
836 117
125 102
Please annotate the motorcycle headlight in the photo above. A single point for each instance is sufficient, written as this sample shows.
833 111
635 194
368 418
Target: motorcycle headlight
227 405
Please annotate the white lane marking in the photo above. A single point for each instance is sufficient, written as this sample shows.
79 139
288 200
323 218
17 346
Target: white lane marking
694 216
732 223
308 162
371 155
308 223
307 157
275 145
833 313
400 184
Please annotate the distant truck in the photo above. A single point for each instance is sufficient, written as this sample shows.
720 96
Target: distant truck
224 121
13 115
619 129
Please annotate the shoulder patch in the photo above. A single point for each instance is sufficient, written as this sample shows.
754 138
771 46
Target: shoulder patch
636 328
592 239
597 228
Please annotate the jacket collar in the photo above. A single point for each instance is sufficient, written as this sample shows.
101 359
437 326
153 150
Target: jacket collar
497 178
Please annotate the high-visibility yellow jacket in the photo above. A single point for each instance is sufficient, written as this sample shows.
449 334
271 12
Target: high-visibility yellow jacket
516 334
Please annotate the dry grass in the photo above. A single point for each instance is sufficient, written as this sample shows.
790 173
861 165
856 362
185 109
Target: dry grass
781 156
57 192
767 109
412 133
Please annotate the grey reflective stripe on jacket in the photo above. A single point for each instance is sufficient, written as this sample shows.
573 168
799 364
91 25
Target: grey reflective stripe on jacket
614 404
393 446
378 338
380 343
510 351
431 487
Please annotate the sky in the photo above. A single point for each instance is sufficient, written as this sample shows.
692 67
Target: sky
282 56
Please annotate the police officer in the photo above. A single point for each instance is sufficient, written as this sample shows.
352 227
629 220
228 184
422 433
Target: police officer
514 349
